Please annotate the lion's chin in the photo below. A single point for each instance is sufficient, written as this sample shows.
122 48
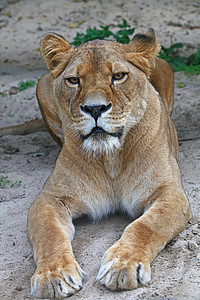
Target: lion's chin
101 145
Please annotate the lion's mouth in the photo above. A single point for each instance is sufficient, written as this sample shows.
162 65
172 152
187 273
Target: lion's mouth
100 132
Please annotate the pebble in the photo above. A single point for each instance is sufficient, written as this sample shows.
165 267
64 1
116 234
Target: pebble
14 90
192 245
195 231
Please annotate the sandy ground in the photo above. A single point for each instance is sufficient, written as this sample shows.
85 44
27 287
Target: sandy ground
30 158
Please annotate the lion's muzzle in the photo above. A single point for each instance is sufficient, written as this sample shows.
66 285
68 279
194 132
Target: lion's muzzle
95 110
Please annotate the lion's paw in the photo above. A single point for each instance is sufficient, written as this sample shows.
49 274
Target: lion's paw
57 282
122 271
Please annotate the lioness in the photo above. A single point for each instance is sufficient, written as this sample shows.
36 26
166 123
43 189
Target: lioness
108 105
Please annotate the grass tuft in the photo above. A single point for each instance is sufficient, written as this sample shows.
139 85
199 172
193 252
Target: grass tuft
5 182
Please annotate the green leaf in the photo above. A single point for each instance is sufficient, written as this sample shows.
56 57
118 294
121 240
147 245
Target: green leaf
194 59
4 181
178 61
124 24
25 85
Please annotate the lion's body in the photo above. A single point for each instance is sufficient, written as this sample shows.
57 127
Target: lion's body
119 153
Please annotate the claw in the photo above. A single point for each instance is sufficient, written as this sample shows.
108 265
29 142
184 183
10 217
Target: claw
143 276
82 273
34 286
104 269
122 274
60 283
71 282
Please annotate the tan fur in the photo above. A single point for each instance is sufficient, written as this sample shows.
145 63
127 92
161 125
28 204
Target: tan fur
25 128
131 166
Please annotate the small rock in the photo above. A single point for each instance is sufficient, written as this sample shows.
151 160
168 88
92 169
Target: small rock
18 288
192 245
8 149
14 90
3 23
195 231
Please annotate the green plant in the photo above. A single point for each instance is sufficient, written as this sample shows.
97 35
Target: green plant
4 182
2 94
194 59
193 63
192 69
91 34
16 183
10 115
23 85
179 63
121 36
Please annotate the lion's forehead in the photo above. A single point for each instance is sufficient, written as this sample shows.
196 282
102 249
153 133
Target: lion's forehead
100 45
97 56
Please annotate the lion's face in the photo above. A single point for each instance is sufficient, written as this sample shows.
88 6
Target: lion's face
101 95
99 92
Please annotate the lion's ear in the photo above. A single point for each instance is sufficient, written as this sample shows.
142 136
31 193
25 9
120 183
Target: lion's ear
56 52
143 49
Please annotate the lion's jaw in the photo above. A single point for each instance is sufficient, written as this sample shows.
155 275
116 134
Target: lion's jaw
101 144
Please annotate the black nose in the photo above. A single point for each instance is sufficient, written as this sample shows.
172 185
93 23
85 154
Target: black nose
95 110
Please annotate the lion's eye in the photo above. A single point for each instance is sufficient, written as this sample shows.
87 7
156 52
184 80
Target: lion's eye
73 80
118 76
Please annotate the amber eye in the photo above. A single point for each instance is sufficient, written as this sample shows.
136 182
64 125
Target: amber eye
73 80
118 76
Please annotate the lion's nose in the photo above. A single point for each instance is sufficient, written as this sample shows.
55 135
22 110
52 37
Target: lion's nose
95 110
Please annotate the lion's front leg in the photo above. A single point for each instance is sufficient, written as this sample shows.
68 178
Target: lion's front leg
50 230
126 264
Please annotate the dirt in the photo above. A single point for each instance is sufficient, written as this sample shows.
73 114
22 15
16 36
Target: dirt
29 159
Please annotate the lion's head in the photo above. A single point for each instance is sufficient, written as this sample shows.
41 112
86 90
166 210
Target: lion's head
100 87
